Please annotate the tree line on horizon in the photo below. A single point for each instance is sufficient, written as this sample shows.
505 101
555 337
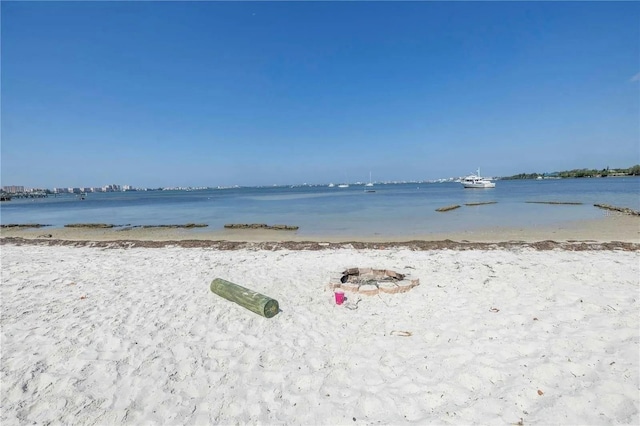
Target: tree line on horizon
581 173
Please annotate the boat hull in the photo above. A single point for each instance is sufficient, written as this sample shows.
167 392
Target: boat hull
479 185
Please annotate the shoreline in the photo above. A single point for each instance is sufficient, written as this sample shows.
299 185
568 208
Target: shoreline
619 230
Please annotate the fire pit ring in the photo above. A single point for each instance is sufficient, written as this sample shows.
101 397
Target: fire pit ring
369 281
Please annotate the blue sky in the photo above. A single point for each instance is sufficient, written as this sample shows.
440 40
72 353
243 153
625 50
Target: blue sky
257 93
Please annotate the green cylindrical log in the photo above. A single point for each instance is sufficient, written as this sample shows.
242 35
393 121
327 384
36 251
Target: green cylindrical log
249 299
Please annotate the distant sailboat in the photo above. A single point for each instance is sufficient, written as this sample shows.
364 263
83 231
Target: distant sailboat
370 183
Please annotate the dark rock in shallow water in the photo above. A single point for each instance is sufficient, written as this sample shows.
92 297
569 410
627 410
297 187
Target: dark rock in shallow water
569 203
246 225
188 225
89 225
481 203
260 226
447 208
23 225
283 227
622 210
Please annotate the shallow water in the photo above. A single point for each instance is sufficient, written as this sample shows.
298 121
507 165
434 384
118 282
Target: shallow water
392 210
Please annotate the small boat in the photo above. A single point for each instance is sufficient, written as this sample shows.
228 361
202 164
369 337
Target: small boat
477 181
344 185
370 183
331 185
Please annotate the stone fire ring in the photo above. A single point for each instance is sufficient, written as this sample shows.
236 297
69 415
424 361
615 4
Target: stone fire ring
369 281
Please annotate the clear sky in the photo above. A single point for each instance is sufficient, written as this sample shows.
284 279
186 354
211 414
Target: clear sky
257 93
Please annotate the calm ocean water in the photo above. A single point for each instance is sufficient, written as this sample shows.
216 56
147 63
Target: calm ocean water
394 209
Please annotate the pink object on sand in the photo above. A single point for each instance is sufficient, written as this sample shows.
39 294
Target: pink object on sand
339 297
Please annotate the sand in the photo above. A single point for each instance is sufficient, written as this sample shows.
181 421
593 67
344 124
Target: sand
133 335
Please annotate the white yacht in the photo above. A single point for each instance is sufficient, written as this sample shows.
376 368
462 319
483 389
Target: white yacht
477 181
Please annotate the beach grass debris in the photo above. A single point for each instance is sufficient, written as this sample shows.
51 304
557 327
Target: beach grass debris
187 226
623 210
570 203
23 225
261 226
482 203
447 208
90 225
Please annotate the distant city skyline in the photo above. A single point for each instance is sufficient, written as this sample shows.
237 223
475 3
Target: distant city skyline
610 171
194 94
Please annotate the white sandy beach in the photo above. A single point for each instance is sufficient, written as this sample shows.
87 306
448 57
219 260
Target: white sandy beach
134 336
